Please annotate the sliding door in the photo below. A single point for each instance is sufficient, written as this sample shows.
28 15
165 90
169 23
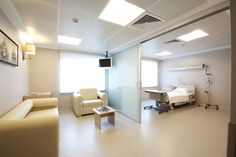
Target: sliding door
124 83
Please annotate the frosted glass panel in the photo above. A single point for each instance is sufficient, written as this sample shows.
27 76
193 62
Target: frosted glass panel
124 78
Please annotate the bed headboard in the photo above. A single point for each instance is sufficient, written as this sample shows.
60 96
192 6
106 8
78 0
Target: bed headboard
190 87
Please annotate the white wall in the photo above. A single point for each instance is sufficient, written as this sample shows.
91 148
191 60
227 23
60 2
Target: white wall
220 68
13 79
144 95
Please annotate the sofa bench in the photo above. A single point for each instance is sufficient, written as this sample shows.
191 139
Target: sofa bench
31 129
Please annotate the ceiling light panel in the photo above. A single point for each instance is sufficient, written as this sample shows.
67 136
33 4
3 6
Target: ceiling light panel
68 40
193 35
120 12
164 53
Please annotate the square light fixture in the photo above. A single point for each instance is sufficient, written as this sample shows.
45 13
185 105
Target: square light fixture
120 12
68 40
193 35
28 50
164 53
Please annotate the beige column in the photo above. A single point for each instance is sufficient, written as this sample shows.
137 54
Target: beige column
231 148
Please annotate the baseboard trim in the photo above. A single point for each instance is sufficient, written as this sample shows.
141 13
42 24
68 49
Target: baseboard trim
65 110
231 148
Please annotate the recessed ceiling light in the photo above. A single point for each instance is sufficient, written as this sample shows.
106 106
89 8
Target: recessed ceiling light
164 53
193 35
68 40
120 12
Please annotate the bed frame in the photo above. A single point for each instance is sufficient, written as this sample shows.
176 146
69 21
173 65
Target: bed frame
162 99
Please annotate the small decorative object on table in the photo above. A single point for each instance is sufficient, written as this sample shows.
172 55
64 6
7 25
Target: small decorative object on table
103 109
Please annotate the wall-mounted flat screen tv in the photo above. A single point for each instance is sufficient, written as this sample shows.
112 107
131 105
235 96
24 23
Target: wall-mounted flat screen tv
105 62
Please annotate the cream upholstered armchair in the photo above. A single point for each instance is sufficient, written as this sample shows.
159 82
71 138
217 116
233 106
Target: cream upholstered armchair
87 99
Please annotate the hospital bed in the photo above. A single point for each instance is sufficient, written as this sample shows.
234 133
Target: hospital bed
182 94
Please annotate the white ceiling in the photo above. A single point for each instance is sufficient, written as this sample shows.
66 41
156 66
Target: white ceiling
45 19
217 26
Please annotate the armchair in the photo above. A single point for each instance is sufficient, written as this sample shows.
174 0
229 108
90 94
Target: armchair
87 99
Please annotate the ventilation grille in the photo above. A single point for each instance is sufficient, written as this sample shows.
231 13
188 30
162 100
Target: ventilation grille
172 41
146 19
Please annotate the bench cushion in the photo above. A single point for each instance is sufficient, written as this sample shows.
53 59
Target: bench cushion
92 103
43 113
20 111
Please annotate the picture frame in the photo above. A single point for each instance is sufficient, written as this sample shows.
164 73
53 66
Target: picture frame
9 51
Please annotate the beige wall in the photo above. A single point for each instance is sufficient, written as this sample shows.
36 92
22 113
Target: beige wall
220 68
44 76
13 79
44 71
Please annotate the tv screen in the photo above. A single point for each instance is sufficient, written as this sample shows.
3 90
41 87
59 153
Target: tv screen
105 63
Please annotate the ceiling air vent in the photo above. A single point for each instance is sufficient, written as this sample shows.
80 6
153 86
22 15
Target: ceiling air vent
172 41
147 19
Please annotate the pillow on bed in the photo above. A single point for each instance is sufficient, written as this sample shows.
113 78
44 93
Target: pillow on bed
189 88
181 90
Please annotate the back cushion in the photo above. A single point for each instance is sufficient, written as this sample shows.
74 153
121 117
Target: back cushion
89 93
20 111
45 102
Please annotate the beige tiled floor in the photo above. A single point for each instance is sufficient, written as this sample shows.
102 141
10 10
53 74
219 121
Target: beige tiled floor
187 132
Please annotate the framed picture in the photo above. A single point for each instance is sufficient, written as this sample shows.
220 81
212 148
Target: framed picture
8 50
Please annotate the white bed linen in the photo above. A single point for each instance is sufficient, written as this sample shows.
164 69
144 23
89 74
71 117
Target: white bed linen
178 95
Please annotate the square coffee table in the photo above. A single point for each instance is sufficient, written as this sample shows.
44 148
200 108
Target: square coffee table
108 112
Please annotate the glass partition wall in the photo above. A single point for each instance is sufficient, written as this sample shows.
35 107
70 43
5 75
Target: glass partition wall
206 41
124 83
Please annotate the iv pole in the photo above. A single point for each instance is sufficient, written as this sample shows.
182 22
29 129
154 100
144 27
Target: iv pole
208 89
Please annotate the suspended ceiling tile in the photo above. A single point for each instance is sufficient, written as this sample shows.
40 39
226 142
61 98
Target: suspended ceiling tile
127 34
88 7
168 9
122 37
103 28
99 33
68 28
145 4
222 19
36 10
40 32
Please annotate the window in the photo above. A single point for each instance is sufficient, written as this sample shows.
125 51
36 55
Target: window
149 73
80 71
